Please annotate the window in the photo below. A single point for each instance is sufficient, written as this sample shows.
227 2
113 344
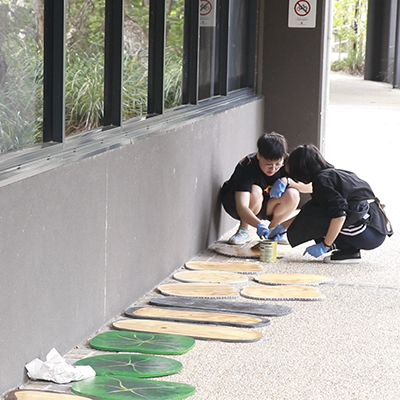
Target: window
78 66
175 13
21 71
135 58
240 51
84 66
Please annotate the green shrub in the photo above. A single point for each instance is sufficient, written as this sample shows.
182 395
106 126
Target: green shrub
21 102
349 35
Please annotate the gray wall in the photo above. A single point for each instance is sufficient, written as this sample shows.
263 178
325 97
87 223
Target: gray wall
81 242
294 63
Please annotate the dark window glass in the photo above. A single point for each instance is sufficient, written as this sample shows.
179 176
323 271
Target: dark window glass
239 46
227 46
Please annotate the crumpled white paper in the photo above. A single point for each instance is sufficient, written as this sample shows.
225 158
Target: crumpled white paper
56 369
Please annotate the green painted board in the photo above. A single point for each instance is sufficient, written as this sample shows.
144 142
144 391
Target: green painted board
135 365
139 342
113 387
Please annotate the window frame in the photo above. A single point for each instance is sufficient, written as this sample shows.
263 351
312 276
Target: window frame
56 149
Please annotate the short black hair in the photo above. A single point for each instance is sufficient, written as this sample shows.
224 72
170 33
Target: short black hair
272 146
305 162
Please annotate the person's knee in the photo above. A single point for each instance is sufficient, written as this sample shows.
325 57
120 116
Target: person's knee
256 191
256 198
291 197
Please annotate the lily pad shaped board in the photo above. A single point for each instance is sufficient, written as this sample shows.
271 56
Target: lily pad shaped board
240 267
127 388
292 279
223 333
199 316
139 342
282 293
210 277
210 290
135 365
25 394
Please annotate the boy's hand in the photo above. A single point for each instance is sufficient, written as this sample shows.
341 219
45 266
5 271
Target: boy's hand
262 231
278 230
316 250
277 189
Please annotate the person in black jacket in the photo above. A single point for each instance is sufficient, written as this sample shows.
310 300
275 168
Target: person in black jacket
343 213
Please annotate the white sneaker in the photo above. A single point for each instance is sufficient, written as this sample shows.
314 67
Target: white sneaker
240 236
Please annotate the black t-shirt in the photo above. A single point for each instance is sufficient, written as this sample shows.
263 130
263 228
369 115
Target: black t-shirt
248 173
334 189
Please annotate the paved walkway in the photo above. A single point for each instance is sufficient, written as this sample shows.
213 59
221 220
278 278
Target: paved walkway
347 346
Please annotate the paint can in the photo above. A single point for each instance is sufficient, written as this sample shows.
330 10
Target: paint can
267 251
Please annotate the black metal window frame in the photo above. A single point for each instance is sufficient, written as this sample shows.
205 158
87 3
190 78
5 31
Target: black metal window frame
113 125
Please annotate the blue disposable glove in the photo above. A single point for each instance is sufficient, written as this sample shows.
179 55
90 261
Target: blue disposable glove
277 189
316 250
278 230
262 231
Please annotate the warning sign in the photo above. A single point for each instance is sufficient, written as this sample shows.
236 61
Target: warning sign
302 13
207 12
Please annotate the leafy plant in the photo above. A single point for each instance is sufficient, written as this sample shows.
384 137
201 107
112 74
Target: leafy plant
349 33
21 66
21 73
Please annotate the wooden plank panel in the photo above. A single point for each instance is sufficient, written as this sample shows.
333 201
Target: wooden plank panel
193 315
227 334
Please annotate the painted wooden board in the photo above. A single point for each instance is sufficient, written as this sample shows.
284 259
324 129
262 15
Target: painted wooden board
128 388
26 394
222 333
139 342
241 267
266 310
135 365
210 277
282 293
209 290
199 316
238 252
292 279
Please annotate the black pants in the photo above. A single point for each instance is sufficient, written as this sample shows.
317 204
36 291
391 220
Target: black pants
367 240
312 223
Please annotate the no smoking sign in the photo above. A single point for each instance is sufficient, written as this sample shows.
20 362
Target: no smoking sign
302 13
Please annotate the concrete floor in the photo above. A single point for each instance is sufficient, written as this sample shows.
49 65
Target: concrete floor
346 346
